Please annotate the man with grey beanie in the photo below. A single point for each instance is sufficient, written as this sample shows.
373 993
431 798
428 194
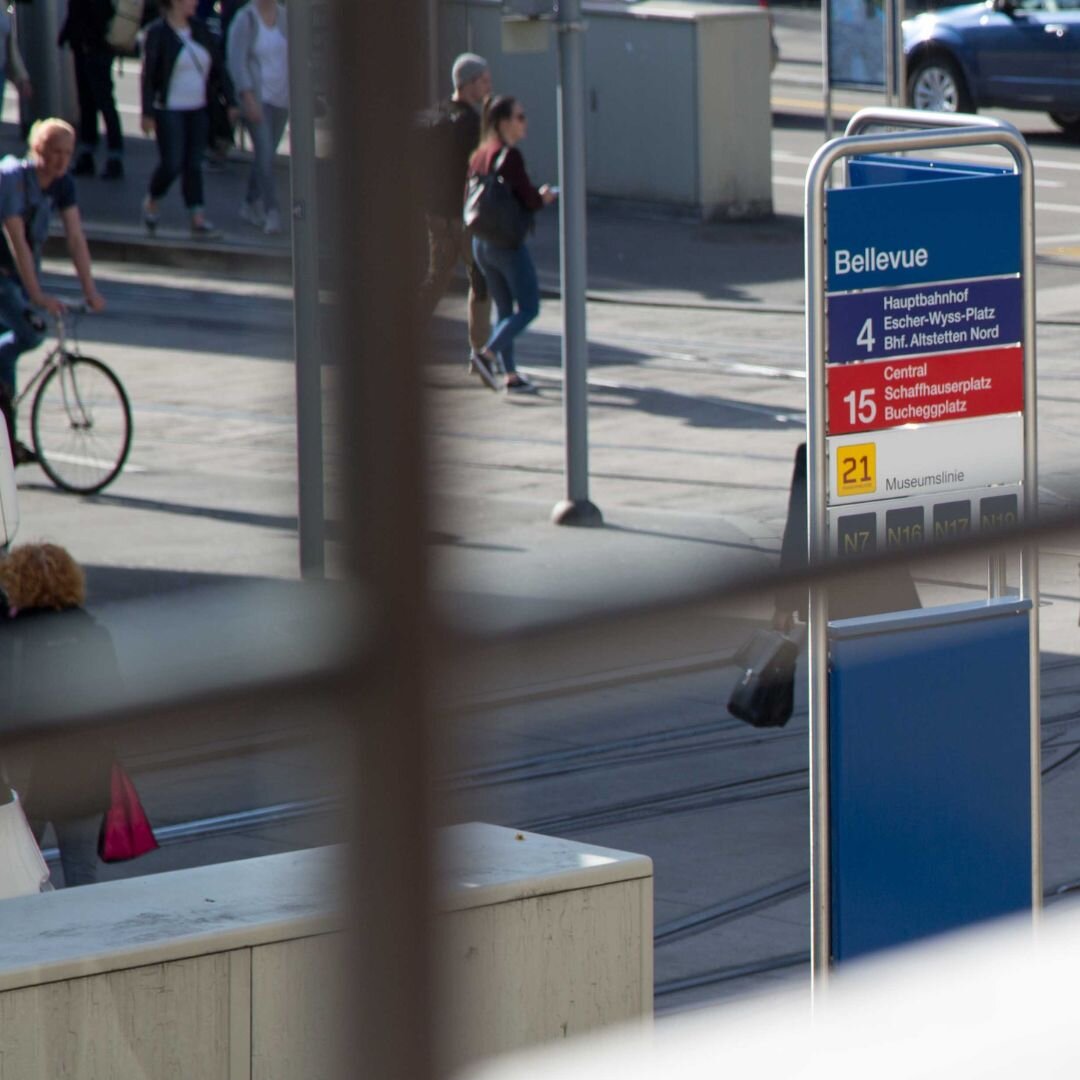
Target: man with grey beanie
448 134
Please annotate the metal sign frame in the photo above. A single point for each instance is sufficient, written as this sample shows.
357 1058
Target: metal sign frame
954 132
894 61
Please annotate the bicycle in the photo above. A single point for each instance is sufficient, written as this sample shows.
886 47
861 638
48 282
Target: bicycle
80 418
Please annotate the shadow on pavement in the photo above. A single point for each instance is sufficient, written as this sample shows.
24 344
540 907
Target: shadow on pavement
113 584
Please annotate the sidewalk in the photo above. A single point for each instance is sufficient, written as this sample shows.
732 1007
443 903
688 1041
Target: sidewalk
112 217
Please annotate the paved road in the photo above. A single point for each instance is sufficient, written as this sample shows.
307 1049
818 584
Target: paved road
208 498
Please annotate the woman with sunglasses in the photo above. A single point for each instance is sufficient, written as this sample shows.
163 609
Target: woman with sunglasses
509 271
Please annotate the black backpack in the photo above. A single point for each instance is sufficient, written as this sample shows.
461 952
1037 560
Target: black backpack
492 211
435 140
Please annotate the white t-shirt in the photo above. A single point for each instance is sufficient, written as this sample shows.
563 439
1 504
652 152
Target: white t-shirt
187 87
272 56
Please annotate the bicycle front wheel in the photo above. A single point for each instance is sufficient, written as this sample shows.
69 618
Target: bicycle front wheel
81 424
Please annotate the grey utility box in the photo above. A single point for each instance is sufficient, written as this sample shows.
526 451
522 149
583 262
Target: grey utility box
677 100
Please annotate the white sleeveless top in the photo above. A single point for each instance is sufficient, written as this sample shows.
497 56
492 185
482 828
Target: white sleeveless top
187 87
272 56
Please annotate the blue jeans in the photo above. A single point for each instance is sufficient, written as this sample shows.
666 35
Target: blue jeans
511 279
265 137
19 333
181 138
77 839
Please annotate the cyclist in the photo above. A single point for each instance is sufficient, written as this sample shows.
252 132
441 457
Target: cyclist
30 188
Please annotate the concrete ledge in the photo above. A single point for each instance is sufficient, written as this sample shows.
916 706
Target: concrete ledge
539 938
176 249
117 925
486 864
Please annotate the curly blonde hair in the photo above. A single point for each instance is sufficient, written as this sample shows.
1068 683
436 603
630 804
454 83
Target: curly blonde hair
42 576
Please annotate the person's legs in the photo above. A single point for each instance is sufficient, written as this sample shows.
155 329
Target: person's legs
169 133
479 297
487 260
78 843
196 131
444 249
19 333
261 162
275 120
515 267
99 66
88 131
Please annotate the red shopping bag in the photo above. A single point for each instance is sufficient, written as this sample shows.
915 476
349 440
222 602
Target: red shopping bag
125 831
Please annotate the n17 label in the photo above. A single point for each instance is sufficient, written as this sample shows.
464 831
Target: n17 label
952 520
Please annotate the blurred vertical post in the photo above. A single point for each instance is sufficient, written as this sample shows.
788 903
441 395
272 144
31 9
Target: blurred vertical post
38 26
308 348
432 93
575 509
378 62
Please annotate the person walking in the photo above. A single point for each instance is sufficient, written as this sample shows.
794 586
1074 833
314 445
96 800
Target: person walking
449 134
509 271
53 646
182 68
84 30
30 189
258 58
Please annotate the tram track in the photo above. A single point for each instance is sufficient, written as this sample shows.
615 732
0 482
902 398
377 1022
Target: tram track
630 752
653 746
685 800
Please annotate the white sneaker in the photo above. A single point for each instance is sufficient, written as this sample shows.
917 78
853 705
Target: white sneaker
273 223
252 213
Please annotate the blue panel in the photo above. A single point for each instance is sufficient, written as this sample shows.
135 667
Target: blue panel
927 231
930 781
985 312
871 169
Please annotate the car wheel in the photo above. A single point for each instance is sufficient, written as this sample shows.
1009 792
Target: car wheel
936 83
1069 122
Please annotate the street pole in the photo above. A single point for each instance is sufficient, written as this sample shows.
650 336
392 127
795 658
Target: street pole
305 256
575 509
38 26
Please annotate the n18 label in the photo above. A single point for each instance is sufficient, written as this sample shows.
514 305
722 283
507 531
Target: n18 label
999 512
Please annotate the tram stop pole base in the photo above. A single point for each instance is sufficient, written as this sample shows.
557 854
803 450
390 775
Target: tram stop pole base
577 512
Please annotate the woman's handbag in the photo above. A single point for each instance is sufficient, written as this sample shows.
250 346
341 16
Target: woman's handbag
492 211
125 829
23 870
765 694
222 131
